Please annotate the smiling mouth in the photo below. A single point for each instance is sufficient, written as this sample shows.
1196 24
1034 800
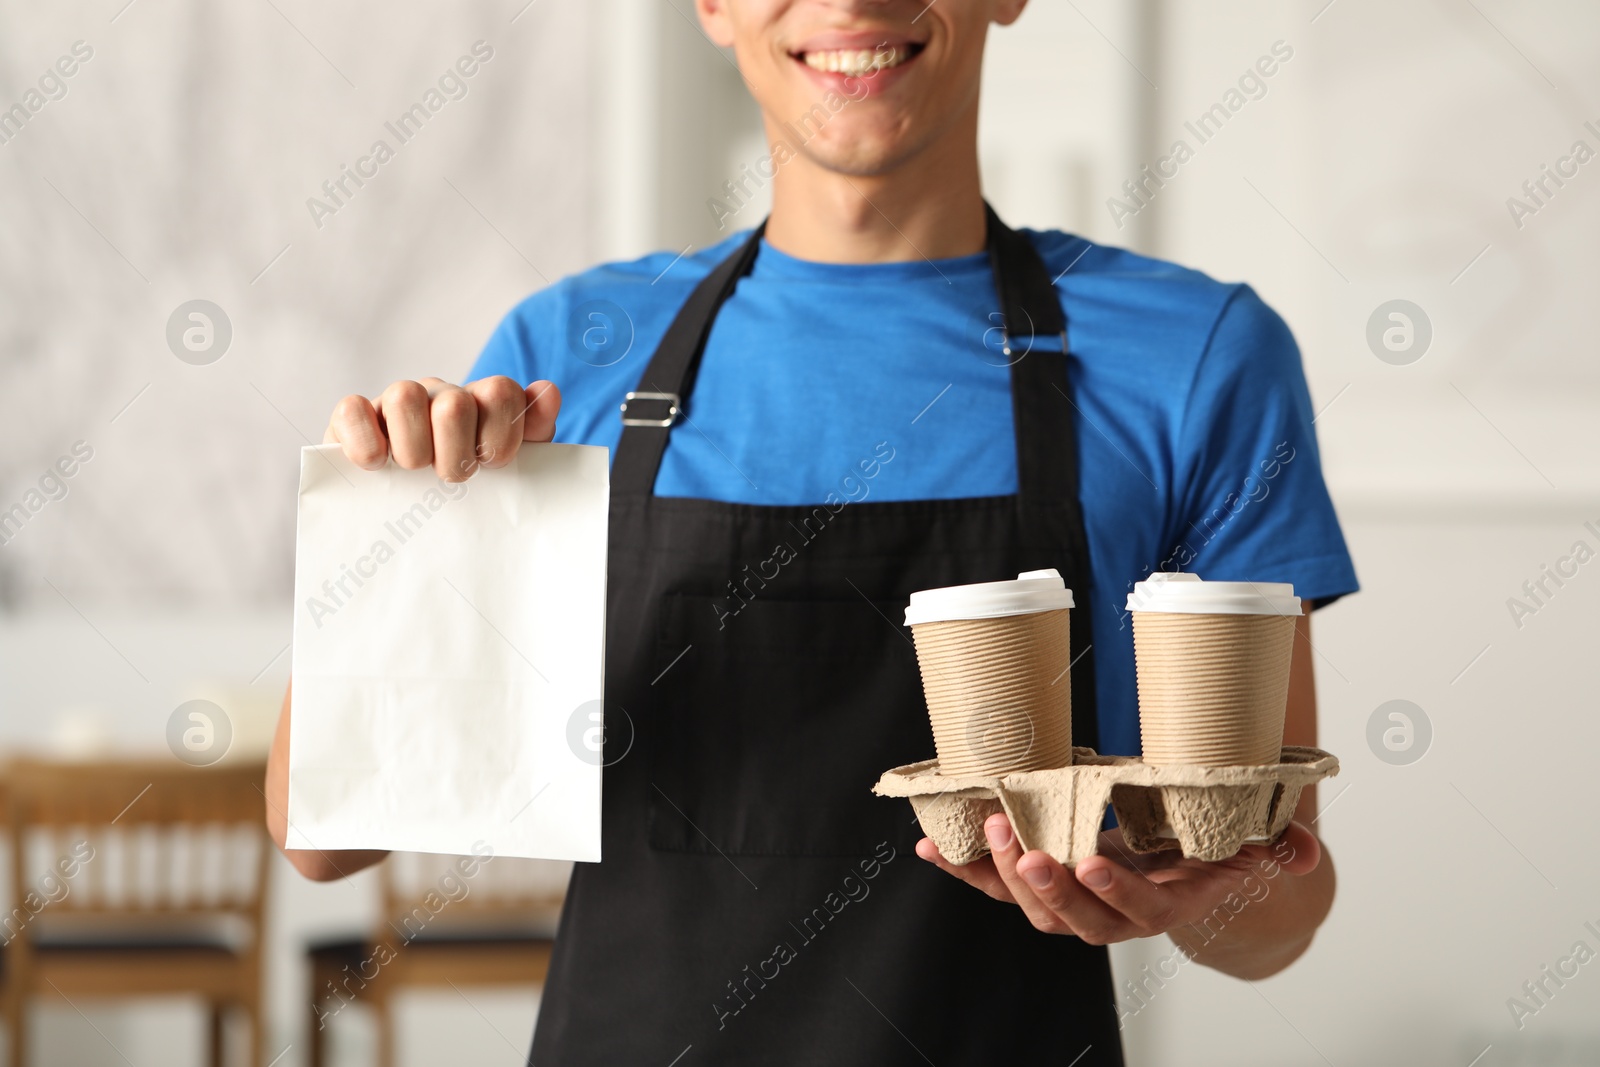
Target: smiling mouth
859 62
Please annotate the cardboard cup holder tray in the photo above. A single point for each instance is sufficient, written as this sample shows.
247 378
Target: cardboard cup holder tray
1208 812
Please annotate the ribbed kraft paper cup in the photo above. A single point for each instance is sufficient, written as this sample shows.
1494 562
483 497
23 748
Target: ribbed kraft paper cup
999 692
1212 687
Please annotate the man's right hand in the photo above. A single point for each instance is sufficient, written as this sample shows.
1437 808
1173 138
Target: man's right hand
455 428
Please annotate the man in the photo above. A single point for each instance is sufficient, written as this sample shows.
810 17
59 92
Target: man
898 393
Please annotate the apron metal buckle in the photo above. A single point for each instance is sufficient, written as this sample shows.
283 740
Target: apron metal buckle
672 400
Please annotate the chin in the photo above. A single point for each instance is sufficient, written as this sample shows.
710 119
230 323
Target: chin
860 152
858 161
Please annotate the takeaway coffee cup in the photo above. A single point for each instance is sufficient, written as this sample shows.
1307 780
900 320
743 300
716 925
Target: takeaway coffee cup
1212 660
995 661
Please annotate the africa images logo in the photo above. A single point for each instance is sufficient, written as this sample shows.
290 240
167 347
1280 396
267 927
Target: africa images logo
596 726
52 86
199 332
199 732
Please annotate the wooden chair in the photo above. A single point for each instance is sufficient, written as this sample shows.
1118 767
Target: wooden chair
135 880
449 921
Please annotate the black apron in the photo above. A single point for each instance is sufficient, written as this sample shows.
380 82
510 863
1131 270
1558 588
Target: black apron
756 904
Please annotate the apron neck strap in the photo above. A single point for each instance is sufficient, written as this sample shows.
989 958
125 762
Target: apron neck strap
669 377
1042 407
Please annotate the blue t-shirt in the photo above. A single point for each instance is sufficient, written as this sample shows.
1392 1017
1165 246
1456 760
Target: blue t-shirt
1195 440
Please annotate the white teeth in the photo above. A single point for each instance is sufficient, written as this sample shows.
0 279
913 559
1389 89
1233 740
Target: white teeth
858 62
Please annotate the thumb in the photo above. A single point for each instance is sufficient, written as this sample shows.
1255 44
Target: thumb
1297 851
544 403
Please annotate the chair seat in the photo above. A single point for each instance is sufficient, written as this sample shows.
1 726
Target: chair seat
347 948
460 958
125 968
135 943
340 949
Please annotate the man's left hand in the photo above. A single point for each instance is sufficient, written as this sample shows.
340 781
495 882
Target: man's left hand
1118 895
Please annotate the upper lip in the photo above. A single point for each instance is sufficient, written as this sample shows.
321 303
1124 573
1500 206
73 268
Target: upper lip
854 41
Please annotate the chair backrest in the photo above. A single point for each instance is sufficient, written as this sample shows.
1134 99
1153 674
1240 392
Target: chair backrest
429 894
135 841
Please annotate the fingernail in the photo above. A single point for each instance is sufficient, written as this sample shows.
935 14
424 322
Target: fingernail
1038 877
999 835
1096 878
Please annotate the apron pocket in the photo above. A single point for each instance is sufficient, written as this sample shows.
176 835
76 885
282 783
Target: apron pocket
766 736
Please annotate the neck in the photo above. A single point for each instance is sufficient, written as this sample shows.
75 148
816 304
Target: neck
929 206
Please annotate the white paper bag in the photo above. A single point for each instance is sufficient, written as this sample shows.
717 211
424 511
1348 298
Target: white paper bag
448 656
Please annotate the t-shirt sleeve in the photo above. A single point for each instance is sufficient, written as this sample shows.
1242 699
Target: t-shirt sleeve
509 351
1252 504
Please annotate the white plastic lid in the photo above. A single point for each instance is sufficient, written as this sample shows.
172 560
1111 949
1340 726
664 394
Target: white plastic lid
1187 594
1032 591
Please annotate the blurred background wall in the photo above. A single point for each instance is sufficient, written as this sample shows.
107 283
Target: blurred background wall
1375 164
